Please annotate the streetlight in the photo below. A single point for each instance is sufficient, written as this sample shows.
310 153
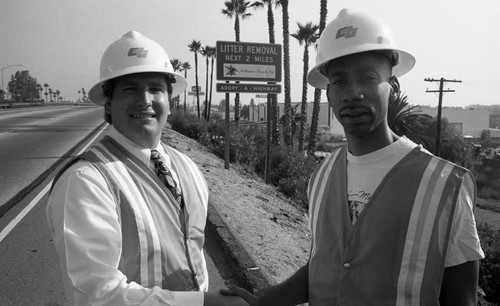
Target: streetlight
6 68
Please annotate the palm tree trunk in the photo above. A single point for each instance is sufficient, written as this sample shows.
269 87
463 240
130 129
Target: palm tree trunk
196 78
237 95
211 89
317 92
275 133
314 122
185 77
237 27
303 107
287 120
206 90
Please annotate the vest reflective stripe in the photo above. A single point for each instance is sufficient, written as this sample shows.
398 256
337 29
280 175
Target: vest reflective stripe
155 251
317 188
152 276
150 257
395 253
420 230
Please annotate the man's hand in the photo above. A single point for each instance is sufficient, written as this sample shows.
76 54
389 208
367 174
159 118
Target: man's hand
232 290
218 299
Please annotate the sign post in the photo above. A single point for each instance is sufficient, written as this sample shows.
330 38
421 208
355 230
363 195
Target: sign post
248 62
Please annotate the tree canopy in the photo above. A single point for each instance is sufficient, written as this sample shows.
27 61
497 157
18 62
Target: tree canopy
22 86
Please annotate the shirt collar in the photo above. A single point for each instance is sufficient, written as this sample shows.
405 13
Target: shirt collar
143 154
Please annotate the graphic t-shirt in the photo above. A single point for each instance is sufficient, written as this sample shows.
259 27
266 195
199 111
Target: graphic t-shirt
365 172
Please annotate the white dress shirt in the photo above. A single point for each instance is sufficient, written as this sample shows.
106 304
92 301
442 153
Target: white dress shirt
85 227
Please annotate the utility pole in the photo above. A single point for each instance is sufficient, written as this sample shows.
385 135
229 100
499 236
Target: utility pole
440 91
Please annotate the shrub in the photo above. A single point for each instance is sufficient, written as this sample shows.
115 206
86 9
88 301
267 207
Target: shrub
187 124
488 180
293 174
289 170
489 267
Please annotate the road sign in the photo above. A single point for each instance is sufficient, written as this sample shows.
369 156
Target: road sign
239 87
245 61
260 96
193 93
193 88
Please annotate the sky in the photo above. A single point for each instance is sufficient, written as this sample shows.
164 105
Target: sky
61 42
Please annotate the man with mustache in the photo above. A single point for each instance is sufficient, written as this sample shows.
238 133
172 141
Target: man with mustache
391 224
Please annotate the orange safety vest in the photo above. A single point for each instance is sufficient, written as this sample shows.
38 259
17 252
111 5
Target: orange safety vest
161 244
395 252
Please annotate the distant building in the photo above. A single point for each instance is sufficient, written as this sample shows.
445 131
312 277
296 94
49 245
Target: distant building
222 113
495 120
468 122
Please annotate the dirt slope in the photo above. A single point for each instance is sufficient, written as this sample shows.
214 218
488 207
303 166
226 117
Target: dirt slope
274 230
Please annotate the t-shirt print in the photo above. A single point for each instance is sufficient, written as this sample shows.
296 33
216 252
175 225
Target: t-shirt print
357 201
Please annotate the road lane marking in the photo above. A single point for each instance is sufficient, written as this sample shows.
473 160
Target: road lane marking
39 196
24 212
6 132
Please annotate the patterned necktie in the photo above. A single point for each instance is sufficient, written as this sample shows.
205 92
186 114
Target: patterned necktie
166 177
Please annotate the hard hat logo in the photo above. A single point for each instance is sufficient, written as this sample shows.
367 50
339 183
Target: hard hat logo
140 52
347 32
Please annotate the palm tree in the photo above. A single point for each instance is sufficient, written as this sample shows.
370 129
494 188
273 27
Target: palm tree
177 66
205 52
79 95
84 93
237 9
195 47
317 92
212 54
50 94
40 90
46 86
407 120
185 66
287 132
306 35
57 93
275 133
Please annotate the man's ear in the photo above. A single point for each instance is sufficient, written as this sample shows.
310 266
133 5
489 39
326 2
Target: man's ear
395 87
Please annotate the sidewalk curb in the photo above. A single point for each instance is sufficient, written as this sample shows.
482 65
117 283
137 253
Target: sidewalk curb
235 262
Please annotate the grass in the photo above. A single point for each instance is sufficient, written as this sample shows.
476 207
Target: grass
493 205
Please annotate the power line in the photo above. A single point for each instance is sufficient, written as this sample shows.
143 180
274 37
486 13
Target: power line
440 91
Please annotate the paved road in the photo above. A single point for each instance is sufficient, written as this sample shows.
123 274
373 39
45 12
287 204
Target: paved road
33 142
32 139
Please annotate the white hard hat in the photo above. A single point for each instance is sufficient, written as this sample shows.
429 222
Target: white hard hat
354 32
134 53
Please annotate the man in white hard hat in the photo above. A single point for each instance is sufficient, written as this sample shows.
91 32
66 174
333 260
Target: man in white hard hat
128 216
391 224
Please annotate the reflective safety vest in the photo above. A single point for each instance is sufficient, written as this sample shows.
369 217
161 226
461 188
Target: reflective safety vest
395 252
162 244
